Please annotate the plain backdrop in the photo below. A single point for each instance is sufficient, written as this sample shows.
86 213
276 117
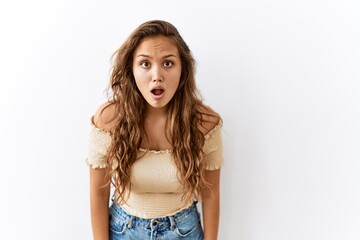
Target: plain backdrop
283 74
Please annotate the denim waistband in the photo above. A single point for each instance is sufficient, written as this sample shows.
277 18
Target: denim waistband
166 222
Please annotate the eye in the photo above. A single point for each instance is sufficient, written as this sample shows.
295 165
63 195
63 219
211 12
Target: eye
168 64
145 64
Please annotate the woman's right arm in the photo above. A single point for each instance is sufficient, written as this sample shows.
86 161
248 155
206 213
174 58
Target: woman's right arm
99 180
99 203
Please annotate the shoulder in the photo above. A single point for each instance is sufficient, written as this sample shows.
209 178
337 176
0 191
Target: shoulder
105 117
209 118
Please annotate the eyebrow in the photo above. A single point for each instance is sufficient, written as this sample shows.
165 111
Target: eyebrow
166 56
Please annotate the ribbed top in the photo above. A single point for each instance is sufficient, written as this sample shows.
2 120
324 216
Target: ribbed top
156 190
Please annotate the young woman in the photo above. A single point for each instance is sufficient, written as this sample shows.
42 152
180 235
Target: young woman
156 142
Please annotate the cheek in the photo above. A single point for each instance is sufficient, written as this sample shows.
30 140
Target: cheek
177 77
140 85
136 75
139 79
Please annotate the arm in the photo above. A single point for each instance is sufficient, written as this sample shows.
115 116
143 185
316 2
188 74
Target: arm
211 205
99 189
99 203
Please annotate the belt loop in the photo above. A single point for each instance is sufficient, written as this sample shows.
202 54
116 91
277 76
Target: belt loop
130 222
172 222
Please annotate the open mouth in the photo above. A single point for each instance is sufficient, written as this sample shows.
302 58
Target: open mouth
157 91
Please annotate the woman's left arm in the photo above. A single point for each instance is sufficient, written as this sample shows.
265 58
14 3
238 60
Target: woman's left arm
211 205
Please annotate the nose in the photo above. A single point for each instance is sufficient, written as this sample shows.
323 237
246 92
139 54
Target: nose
157 75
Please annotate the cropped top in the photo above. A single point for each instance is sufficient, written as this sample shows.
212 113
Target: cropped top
155 188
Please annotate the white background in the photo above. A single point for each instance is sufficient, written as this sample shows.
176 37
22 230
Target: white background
283 74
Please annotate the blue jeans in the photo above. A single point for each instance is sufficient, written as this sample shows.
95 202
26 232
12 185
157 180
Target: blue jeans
184 225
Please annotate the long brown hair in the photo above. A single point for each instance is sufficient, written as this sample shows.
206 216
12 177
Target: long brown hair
184 115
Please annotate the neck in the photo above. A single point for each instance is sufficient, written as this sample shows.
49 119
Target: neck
155 113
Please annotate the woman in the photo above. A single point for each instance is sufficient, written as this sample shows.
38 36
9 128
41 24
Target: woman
156 142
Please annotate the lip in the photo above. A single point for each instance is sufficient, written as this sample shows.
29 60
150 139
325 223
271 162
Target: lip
157 97
157 87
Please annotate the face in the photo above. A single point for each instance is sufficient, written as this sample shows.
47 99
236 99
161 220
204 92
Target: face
157 70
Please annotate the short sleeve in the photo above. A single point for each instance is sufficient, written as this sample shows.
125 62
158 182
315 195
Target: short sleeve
98 144
213 149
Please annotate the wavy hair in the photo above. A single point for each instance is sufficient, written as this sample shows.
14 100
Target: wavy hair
184 115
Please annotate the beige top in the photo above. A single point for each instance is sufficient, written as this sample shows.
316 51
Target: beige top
155 191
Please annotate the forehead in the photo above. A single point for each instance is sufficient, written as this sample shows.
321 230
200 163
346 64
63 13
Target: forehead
157 44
